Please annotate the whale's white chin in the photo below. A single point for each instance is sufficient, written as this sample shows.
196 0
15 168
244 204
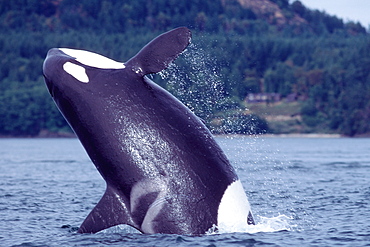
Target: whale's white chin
234 207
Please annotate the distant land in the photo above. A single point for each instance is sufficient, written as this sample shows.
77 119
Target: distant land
310 70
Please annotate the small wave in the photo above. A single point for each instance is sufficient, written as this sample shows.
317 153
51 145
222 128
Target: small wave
264 224
125 229
58 161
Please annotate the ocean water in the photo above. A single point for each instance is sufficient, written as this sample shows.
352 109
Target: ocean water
303 192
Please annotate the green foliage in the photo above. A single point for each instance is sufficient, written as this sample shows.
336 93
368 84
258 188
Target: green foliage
244 124
26 111
322 60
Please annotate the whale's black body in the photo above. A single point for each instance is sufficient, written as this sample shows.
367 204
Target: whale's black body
163 169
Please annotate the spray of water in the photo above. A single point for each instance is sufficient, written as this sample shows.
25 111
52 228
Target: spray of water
264 224
273 224
194 80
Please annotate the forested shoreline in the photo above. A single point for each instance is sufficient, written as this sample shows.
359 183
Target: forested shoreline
319 58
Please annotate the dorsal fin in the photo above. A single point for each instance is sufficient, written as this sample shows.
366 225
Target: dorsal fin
160 52
110 211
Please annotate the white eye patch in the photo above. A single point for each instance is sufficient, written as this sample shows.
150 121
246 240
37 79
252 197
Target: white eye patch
76 71
93 59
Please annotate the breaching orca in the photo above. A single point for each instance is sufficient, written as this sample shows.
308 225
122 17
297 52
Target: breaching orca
164 171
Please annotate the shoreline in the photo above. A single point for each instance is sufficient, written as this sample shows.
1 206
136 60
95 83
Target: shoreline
292 135
309 135
51 135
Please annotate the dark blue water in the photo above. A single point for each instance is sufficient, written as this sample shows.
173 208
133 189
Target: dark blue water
303 191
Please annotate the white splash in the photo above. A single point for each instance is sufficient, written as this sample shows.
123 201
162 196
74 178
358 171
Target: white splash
274 224
263 224
197 82
121 229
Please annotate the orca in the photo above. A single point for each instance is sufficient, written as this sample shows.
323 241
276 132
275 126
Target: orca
164 171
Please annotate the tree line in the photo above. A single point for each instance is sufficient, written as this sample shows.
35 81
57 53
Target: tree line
322 60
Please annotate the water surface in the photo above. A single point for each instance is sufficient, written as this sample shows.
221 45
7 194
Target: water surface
303 191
